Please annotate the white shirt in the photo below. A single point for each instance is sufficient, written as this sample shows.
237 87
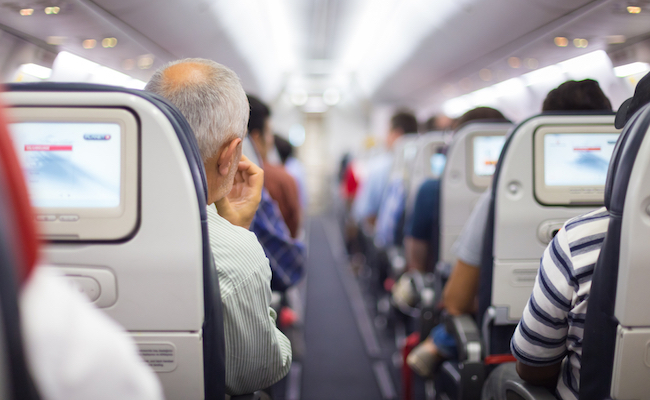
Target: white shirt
76 352
257 353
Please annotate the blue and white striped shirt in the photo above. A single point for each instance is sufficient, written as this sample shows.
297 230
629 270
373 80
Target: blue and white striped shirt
552 327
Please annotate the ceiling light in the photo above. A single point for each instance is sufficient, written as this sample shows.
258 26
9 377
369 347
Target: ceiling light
457 106
616 39
465 84
509 87
52 10
297 135
631 69
145 61
580 43
483 97
26 12
89 44
578 66
128 64
36 70
485 74
514 62
299 97
135 84
109 42
531 63
561 41
633 9
331 97
315 104
55 40
547 74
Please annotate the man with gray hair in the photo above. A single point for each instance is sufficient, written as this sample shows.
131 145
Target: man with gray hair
213 101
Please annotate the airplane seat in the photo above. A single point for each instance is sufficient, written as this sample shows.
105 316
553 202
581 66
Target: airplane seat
471 157
531 199
18 253
139 249
428 163
593 370
615 351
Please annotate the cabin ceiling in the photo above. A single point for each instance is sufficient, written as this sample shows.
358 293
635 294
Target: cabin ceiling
397 52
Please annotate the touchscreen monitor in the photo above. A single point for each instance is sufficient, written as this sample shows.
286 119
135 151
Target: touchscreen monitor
438 162
486 154
571 163
81 169
70 164
483 151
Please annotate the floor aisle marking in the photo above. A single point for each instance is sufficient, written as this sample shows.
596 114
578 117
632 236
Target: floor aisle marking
294 380
351 287
384 380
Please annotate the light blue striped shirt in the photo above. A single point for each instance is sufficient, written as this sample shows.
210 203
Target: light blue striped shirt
552 327
257 353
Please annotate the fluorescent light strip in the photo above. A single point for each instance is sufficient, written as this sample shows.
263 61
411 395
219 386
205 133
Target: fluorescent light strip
38 71
557 72
69 67
631 69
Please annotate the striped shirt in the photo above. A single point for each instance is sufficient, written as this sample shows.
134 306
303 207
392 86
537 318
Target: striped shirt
552 327
257 353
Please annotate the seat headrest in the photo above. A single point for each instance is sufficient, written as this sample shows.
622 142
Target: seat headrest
17 198
616 158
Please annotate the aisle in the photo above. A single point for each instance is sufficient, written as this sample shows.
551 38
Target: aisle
340 341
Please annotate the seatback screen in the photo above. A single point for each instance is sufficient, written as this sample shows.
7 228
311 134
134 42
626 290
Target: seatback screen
70 164
577 159
486 154
437 162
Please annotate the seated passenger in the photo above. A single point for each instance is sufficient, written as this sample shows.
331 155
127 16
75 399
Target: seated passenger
460 292
281 186
293 166
369 197
548 339
419 229
213 101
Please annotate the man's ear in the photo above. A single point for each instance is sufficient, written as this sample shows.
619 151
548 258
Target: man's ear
224 163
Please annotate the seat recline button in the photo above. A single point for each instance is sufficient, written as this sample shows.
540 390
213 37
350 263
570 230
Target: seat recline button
68 218
44 217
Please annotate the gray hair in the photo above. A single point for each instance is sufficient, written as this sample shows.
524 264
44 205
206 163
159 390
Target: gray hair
214 103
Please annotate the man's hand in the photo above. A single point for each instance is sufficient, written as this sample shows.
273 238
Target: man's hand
240 205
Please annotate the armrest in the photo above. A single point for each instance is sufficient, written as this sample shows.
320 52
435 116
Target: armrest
467 335
518 389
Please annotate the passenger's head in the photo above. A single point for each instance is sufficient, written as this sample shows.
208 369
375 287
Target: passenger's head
479 114
259 126
633 104
214 103
402 123
285 149
577 96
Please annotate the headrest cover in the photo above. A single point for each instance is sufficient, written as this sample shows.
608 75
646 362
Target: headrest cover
26 240
633 104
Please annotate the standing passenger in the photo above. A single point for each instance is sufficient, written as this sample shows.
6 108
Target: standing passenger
213 101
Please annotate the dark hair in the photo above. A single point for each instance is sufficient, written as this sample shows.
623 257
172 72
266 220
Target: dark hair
577 96
285 149
259 113
479 113
405 121
430 125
